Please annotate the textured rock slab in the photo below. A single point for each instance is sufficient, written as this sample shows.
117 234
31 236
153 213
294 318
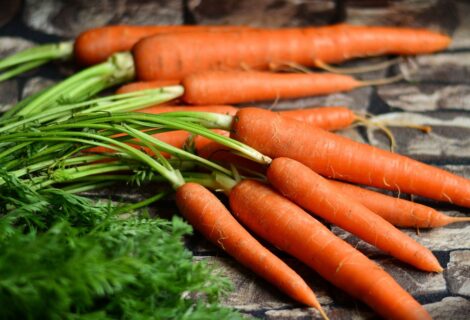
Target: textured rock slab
8 94
439 67
253 293
461 35
333 312
10 45
458 273
435 14
9 9
69 18
36 84
423 97
268 13
455 308
449 138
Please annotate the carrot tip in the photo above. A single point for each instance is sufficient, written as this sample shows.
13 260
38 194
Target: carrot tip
323 313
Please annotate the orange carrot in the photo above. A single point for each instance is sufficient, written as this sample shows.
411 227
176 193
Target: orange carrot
288 227
143 85
256 49
225 87
175 138
210 217
229 110
341 158
314 193
327 118
398 212
96 45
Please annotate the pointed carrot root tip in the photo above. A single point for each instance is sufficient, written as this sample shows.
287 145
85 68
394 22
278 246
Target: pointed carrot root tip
323 313
440 270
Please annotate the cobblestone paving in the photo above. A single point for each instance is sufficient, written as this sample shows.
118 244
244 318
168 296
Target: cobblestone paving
436 92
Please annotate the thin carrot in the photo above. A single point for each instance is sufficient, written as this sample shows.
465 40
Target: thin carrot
256 49
226 87
143 85
327 118
314 193
96 45
288 227
210 217
341 158
399 212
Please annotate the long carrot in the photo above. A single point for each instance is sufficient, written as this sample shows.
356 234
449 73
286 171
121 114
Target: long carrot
399 212
143 85
210 217
256 49
96 45
341 158
288 227
314 193
226 87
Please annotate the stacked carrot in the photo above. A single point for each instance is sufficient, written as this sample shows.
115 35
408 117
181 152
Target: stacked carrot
229 65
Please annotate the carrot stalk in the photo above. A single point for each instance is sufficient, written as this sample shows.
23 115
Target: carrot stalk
210 217
398 212
288 227
314 193
338 157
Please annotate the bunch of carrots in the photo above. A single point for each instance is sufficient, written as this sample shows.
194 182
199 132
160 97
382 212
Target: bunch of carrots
302 170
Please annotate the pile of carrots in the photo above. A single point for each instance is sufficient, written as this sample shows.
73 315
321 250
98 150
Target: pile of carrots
223 65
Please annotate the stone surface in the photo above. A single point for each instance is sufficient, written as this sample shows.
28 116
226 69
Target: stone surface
10 45
438 68
34 85
8 94
270 13
69 18
252 293
458 273
435 14
455 308
424 97
461 35
9 9
449 138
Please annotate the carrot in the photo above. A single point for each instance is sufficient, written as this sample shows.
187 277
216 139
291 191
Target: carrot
229 110
143 85
175 138
338 157
210 217
398 212
225 87
96 45
291 229
327 118
192 52
316 194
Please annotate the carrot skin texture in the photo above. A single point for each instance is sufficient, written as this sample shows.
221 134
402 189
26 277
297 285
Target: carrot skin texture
327 118
399 212
143 85
210 217
227 87
311 191
96 45
288 227
258 49
341 158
